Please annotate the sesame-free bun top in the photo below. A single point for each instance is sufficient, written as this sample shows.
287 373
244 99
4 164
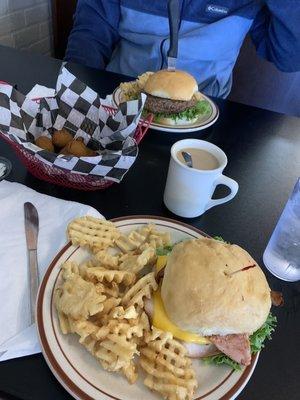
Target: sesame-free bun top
201 295
173 85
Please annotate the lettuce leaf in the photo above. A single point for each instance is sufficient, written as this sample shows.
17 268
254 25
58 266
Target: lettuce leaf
220 359
219 238
164 251
202 107
257 340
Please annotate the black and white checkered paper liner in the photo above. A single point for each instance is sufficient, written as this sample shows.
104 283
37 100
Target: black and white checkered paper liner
77 108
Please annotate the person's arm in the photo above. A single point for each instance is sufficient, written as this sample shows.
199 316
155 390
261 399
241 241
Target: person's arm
95 32
276 33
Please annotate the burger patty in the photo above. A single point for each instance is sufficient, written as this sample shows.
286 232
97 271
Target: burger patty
159 105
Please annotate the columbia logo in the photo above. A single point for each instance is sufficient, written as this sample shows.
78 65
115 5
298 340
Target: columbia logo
213 8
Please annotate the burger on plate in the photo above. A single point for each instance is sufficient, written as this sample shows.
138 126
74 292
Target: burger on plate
215 299
173 98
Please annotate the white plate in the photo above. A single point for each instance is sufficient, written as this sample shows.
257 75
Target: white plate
203 122
79 372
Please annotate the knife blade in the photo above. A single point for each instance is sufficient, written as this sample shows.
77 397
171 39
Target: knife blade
174 17
31 220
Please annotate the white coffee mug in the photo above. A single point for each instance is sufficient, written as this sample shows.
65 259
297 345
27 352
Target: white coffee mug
188 191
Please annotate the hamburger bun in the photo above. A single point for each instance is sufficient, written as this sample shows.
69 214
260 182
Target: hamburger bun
201 295
173 85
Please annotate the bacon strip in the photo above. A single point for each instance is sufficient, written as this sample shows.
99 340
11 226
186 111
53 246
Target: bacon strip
277 298
236 346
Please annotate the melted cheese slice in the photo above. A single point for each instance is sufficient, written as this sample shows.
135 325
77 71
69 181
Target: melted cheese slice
161 321
161 262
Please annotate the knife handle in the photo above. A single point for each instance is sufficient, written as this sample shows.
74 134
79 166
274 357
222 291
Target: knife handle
174 17
34 281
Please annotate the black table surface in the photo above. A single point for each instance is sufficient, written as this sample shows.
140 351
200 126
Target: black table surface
263 150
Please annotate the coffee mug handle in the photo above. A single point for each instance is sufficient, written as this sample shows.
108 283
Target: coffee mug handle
233 186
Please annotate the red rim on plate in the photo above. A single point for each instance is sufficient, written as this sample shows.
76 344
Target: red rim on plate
57 370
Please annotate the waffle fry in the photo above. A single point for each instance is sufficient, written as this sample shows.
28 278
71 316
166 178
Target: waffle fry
78 298
113 345
117 349
131 242
90 263
99 274
115 352
90 343
155 333
82 269
136 263
69 268
109 305
101 302
116 312
109 289
83 328
130 372
121 313
64 322
152 237
107 260
142 288
128 329
100 319
131 90
159 239
168 369
92 232
147 229
144 326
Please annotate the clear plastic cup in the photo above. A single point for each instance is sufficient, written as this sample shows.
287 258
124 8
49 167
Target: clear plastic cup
282 254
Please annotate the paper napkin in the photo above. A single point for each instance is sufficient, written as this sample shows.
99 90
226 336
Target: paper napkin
17 338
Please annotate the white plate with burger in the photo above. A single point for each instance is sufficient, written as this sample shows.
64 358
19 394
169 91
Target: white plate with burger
173 99
214 293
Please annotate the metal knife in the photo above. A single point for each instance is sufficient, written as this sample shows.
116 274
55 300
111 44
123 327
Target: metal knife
174 17
31 232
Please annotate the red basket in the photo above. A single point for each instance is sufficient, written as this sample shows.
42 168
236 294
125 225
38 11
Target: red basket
65 178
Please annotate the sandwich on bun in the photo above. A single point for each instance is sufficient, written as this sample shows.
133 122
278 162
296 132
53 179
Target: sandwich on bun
173 98
215 298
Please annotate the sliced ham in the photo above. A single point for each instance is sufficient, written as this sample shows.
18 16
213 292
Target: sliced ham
277 298
237 347
200 350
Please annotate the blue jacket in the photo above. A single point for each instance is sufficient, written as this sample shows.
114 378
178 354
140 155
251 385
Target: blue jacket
131 36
